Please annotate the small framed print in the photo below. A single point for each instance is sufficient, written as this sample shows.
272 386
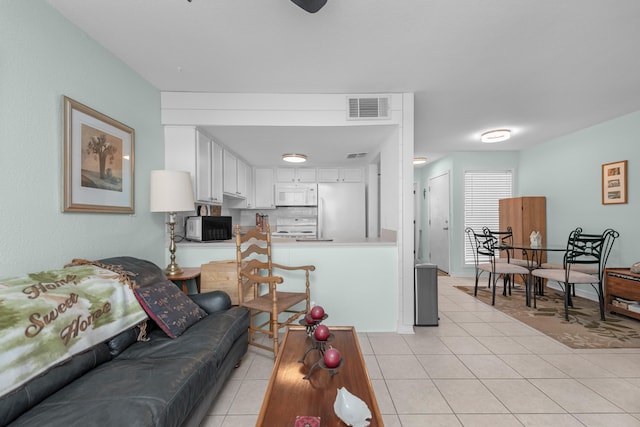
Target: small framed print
98 161
614 183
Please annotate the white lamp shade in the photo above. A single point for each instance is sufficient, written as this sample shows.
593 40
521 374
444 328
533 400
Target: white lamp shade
171 191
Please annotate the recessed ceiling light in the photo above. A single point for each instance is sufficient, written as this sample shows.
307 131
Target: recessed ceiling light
419 160
495 135
294 158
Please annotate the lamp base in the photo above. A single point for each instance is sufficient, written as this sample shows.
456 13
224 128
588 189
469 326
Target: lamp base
173 269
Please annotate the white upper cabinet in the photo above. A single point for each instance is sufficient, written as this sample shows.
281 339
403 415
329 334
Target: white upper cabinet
264 189
237 176
296 175
340 174
208 170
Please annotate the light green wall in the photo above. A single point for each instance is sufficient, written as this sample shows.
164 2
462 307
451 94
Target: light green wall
42 57
567 171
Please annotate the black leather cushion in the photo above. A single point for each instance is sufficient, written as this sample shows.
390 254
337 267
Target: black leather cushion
212 301
151 383
144 272
39 388
171 309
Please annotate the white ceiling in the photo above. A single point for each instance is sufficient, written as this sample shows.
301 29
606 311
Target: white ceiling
543 68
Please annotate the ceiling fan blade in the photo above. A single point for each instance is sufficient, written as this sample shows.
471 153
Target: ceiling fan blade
311 6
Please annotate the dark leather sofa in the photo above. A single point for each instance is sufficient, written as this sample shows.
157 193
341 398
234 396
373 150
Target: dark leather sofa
126 382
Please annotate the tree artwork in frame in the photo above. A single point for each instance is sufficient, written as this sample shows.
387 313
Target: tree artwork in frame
614 183
98 161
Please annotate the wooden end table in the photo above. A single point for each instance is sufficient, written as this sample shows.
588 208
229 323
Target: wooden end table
289 395
188 273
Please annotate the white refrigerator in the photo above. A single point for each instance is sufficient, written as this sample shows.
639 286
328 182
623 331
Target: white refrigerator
341 210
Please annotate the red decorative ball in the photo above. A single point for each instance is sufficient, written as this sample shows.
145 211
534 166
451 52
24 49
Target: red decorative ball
317 312
321 333
332 358
309 319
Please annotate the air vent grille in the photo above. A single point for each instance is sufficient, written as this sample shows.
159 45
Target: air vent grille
356 155
368 108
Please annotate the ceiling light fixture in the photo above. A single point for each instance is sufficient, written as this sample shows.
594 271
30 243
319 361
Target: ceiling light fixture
495 135
419 160
294 158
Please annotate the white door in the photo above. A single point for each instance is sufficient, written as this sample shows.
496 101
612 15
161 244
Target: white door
438 224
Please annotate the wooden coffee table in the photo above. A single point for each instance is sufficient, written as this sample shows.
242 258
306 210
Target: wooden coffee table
289 395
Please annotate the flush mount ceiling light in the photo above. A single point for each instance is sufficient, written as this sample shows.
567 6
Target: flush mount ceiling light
294 158
419 160
495 135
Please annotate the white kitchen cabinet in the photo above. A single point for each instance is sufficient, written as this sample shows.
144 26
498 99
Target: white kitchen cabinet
296 175
208 173
263 189
340 174
230 185
243 178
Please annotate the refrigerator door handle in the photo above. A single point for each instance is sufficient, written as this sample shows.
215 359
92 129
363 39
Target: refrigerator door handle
320 217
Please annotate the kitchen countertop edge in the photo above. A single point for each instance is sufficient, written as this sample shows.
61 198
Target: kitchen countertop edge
286 241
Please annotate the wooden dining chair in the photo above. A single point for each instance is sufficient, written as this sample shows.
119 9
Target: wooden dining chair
585 254
261 291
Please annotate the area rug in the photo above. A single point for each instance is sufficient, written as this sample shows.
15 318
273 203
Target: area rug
584 328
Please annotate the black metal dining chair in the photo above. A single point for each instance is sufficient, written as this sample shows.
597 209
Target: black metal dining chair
586 254
486 246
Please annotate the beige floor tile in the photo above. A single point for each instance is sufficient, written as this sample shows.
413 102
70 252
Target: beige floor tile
417 397
489 420
480 329
383 397
608 420
515 329
372 367
399 367
260 368
502 345
469 397
434 420
548 420
488 366
240 420
445 330
494 316
576 366
445 366
520 396
620 392
541 344
249 398
622 364
465 345
388 343
365 345
424 344
225 398
573 396
391 420
212 421
532 366
463 317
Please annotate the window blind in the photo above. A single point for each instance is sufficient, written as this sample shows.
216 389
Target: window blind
482 190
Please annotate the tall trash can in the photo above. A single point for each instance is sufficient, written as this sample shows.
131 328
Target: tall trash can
426 295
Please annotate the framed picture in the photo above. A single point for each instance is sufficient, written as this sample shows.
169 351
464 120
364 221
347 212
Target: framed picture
614 183
98 161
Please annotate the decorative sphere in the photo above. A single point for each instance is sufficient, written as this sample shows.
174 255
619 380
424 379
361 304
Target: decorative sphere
332 358
310 320
317 312
321 333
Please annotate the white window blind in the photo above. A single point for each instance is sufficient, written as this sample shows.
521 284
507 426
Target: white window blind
482 190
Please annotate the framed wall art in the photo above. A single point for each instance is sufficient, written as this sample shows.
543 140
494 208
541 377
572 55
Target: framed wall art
98 161
614 183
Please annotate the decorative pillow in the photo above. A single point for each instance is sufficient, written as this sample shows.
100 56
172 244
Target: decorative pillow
169 307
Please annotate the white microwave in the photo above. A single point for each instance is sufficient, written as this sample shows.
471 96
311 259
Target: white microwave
296 194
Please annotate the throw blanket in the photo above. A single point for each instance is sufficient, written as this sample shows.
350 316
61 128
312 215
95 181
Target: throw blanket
47 317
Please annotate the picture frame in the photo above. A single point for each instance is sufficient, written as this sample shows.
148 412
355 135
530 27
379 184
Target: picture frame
614 183
98 161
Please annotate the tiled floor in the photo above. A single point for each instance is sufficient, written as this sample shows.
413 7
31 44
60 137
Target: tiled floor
479 367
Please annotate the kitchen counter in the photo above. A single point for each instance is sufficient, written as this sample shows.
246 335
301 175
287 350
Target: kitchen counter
355 280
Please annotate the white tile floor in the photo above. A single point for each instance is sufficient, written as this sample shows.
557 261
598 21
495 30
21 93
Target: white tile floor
479 367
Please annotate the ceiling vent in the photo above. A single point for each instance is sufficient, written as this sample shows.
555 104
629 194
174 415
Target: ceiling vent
356 155
368 108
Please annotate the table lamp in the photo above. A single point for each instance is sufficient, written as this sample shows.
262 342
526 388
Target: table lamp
171 192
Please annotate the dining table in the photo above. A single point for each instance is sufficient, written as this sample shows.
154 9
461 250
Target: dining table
533 255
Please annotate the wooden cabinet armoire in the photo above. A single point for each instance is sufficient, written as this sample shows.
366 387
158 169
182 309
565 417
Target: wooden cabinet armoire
524 215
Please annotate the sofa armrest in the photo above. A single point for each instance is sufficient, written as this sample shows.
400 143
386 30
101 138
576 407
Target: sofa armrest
212 302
